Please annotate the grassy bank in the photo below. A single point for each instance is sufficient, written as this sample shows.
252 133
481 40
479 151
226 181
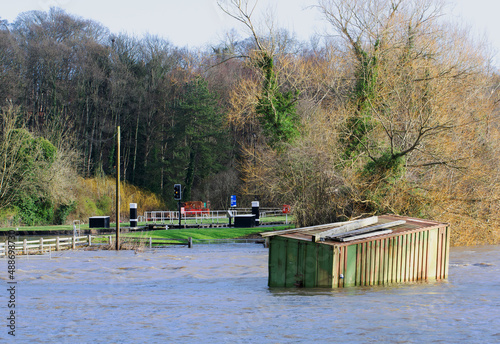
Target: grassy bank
189 221
195 233
205 233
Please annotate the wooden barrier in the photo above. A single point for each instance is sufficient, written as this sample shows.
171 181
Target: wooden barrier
44 245
56 244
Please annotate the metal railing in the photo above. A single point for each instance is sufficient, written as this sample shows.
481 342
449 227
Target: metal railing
212 216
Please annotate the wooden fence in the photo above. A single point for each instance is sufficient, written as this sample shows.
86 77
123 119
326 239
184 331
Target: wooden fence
44 245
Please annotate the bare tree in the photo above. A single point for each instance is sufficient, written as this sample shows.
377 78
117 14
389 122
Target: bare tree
414 128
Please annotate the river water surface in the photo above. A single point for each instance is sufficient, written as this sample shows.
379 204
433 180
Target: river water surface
219 294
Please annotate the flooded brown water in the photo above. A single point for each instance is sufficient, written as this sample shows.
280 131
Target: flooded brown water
219 294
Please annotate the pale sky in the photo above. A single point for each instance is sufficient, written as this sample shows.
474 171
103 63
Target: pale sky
194 23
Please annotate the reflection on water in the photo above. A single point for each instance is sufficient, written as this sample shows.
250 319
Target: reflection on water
219 294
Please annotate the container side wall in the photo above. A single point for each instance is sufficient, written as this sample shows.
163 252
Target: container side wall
385 249
350 266
447 254
432 253
376 271
359 251
301 264
277 262
292 255
411 244
325 266
425 245
341 271
311 265
336 268
364 261
406 257
391 257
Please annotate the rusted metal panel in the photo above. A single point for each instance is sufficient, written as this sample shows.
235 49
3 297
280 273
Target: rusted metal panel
335 258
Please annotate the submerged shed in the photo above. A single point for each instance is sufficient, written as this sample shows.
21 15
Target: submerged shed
377 250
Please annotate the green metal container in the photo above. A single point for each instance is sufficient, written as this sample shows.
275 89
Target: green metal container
415 250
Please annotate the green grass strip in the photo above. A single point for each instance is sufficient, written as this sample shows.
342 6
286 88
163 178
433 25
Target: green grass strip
205 233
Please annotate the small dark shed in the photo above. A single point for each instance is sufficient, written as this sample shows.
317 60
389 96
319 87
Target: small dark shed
378 250
99 222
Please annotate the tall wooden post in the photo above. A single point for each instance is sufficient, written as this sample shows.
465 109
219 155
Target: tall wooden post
118 188
180 215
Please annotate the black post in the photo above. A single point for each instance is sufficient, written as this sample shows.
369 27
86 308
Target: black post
255 211
133 215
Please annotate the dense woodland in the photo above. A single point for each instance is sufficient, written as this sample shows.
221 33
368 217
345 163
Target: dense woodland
396 111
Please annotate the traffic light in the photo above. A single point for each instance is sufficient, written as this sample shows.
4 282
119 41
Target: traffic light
177 192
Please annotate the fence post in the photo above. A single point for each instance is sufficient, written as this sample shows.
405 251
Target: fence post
150 242
90 239
41 245
57 244
190 242
25 246
6 248
73 245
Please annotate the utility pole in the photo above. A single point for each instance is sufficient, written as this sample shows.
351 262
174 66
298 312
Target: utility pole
118 188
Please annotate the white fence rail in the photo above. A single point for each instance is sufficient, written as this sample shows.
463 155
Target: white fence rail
42 245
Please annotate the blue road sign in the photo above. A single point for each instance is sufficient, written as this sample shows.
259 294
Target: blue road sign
233 200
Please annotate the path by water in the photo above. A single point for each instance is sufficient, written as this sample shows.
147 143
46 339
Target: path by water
219 294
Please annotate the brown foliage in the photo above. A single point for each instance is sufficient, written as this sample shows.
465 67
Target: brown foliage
96 196
432 105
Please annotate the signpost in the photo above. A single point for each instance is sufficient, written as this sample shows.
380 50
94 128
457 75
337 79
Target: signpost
233 201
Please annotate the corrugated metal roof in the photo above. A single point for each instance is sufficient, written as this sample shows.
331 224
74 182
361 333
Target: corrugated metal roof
411 225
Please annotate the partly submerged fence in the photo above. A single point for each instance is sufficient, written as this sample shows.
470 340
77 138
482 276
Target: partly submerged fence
45 245
149 242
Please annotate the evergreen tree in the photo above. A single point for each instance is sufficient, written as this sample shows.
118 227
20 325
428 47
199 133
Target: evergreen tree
199 135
